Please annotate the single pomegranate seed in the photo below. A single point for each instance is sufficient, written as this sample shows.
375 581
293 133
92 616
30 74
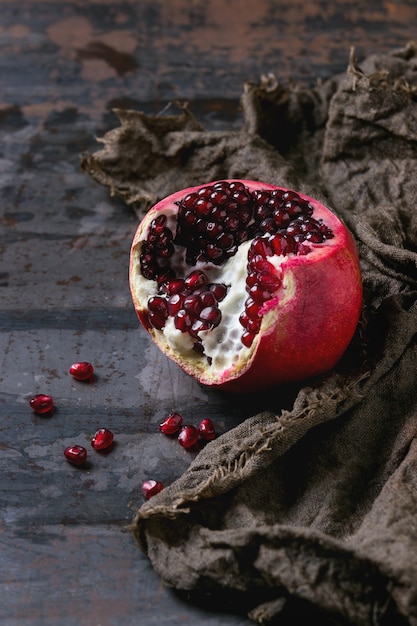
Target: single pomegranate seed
219 290
244 319
188 436
211 314
158 311
151 487
204 191
261 246
82 370
206 429
199 326
189 200
203 207
77 455
219 197
157 304
195 279
192 304
213 229
182 321
223 185
214 253
156 320
158 224
207 298
171 424
247 339
231 222
42 404
237 185
281 218
102 440
267 225
259 295
251 279
271 282
175 304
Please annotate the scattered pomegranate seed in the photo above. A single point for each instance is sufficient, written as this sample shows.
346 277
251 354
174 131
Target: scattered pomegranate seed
77 455
171 424
151 488
188 436
82 370
42 404
206 429
103 439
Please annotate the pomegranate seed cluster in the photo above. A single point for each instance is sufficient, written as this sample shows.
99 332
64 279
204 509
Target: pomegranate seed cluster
188 434
151 487
192 303
211 224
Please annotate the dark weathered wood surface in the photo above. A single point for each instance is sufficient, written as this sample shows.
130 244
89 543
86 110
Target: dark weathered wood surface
66 555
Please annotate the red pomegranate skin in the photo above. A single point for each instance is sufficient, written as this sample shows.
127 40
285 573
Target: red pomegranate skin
306 327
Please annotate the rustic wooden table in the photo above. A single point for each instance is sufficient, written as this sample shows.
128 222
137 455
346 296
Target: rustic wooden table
66 554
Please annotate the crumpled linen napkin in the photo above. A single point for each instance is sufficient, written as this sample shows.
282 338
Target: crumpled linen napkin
308 512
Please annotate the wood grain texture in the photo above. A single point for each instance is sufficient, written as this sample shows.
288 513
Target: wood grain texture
64 246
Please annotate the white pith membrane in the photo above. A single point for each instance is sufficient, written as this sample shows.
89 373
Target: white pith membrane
223 348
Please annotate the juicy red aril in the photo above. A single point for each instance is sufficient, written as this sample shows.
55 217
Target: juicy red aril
211 223
77 455
210 314
218 290
158 311
188 436
102 440
171 424
183 321
247 338
175 304
82 370
196 279
174 287
206 429
207 298
151 487
41 404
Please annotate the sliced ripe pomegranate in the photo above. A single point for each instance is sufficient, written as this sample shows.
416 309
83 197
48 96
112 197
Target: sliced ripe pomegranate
151 488
246 285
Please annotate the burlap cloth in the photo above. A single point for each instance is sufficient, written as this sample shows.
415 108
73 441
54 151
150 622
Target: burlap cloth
308 512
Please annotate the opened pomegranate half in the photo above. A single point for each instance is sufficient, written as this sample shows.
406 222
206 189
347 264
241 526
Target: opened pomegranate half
246 285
